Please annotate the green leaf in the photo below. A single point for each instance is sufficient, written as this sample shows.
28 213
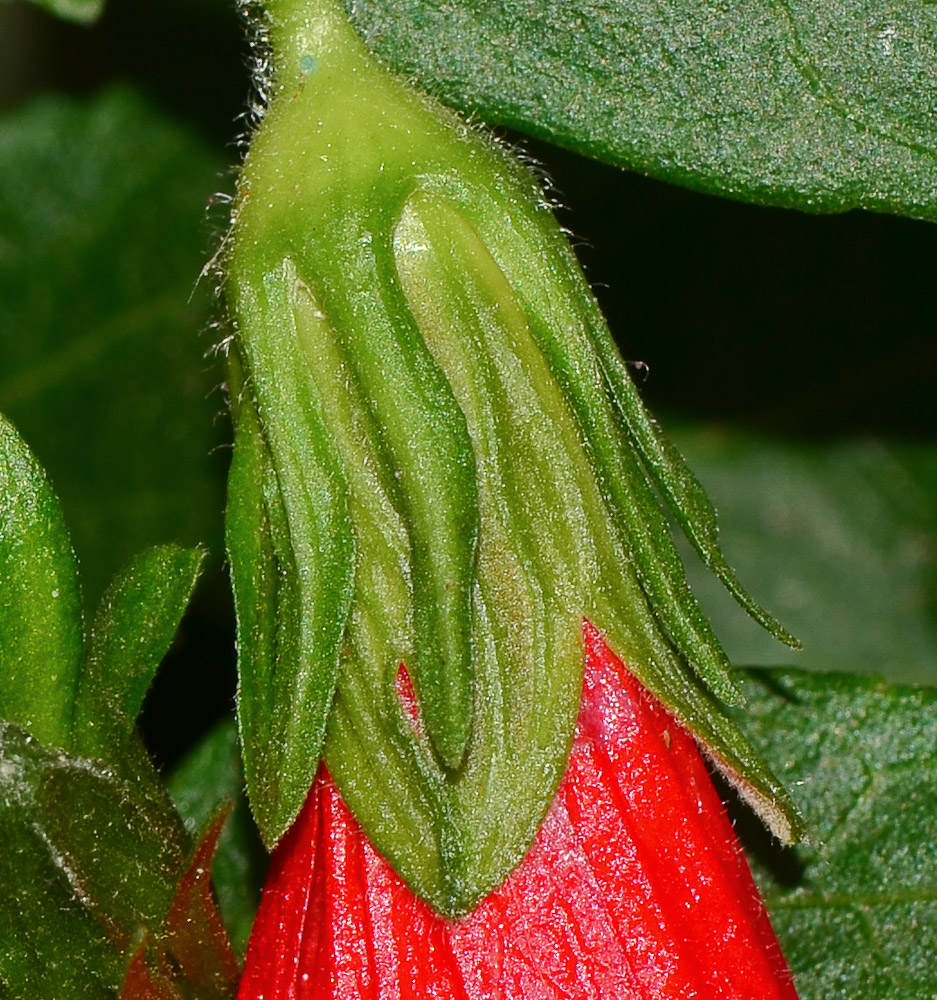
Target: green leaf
823 107
103 371
135 624
40 601
209 776
839 539
94 864
82 11
855 909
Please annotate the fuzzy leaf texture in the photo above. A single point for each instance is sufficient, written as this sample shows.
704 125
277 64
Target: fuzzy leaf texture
98 877
41 632
103 891
440 462
80 696
635 888
818 106
855 907
135 624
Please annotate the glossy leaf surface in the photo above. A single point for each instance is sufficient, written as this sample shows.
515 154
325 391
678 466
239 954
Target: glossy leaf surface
822 106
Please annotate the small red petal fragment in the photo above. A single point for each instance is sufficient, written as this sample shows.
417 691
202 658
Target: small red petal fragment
406 695
194 933
142 982
191 954
634 888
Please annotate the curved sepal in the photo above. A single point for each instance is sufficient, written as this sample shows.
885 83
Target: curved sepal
290 620
418 341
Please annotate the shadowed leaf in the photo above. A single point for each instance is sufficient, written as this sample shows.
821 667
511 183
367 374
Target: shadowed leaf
856 907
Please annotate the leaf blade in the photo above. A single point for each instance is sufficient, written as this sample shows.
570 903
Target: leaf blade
92 897
132 632
817 107
860 918
40 600
97 867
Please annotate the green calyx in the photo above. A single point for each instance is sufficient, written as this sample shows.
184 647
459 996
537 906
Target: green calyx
440 464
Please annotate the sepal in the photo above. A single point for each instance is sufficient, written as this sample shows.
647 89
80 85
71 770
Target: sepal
418 342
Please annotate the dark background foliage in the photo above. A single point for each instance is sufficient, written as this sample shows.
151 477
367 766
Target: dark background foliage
793 324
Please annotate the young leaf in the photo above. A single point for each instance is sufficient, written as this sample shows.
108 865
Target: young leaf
135 624
40 601
856 908
822 107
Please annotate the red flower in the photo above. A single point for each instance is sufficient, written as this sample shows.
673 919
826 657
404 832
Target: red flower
635 887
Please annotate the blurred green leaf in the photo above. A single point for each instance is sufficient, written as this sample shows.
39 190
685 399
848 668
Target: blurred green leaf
209 776
40 602
138 617
82 11
103 370
93 863
839 540
856 908
823 106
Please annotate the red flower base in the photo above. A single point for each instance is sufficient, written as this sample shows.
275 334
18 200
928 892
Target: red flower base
635 887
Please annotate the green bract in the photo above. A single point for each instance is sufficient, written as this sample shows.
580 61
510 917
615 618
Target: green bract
440 462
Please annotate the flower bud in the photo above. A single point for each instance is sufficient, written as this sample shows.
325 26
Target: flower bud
440 462
635 887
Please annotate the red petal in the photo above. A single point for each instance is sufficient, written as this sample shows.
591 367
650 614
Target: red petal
635 887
